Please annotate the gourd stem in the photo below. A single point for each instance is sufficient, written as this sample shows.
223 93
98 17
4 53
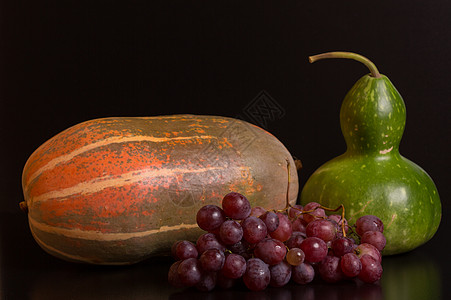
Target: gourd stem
349 55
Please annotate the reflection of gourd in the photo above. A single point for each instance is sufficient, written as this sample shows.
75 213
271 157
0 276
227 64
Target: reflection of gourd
412 276
371 177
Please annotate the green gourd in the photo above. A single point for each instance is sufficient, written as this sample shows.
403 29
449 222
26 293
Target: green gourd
372 177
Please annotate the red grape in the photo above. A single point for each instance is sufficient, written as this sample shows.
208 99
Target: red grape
257 275
299 225
224 282
173 275
295 211
271 220
208 241
189 272
368 223
350 265
271 251
342 245
210 217
315 213
230 232
284 230
375 238
207 282
280 274
295 240
371 269
369 249
212 260
234 266
323 229
236 206
302 274
330 269
184 250
254 229
315 249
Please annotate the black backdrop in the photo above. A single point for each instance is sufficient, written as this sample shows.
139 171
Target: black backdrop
64 62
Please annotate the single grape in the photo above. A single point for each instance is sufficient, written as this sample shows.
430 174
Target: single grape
257 211
375 238
323 229
368 223
315 249
257 275
208 241
315 212
224 282
241 248
173 275
371 269
207 282
302 274
280 274
369 249
295 240
189 272
270 251
350 265
342 245
212 260
184 250
299 225
254 229
339 221
271 220
330 269
295 256
234 266
210 217
284 230
295 211
236 206
230 232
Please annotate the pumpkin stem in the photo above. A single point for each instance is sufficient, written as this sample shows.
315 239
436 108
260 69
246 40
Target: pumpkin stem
349 55
23 206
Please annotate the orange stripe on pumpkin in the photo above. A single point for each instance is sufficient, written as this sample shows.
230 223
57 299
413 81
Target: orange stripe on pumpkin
113 140
98 184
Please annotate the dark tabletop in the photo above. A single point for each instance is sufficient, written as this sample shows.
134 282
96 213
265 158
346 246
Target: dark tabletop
27 272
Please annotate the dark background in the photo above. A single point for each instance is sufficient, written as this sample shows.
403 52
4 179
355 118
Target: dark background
64 62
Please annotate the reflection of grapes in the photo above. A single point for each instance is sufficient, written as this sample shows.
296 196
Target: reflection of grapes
265 247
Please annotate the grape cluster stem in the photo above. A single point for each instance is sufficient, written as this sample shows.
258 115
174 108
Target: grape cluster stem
303 212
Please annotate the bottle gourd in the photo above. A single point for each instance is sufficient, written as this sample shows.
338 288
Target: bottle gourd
372 177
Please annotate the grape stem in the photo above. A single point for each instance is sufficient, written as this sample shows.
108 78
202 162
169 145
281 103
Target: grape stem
288 205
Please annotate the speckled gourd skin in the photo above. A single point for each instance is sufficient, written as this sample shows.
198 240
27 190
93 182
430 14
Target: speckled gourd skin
372 177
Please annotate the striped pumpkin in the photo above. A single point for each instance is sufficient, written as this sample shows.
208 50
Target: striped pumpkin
118 190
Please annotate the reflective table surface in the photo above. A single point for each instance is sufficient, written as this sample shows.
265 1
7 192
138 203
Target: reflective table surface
27 272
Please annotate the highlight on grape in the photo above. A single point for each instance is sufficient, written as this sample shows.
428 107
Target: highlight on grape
273 247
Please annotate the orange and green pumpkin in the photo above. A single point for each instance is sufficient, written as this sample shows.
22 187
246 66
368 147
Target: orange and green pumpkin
118 190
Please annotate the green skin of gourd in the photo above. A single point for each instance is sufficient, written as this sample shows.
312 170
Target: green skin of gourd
371 177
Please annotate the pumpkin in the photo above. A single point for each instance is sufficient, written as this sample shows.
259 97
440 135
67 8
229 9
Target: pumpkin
119 190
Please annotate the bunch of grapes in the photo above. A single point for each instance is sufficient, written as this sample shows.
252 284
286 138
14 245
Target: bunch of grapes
270 247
